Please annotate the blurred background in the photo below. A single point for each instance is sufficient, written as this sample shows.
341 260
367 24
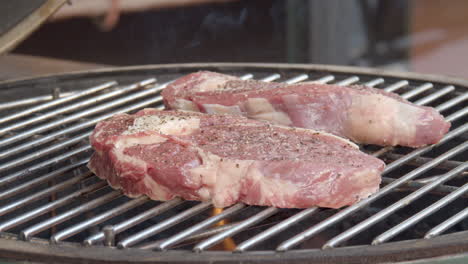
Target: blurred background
428 36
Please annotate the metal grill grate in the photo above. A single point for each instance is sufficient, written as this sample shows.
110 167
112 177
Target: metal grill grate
46 192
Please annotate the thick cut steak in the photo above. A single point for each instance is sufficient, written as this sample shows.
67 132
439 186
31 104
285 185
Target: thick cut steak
229 159
362 114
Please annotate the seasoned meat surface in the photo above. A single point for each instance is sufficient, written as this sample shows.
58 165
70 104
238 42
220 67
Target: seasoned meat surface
228 159
362 114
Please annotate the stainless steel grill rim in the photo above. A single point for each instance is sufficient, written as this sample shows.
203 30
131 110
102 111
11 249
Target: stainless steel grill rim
325 74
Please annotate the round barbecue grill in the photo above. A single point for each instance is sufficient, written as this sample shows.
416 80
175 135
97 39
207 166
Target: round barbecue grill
52 209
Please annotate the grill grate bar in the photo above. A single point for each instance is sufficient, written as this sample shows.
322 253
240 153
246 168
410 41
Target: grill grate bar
165 244
348 81
452 102
30 101
420 215
155 229
457 114
78 115
70 231
244 77
415 185
449 164
344 236
41 194
38 154
28 232
432 178
195 237
33 169
157 210
212 231
57 102
324 79
271 78
385 190
374 82
436 95
73 107
439 229
48 207
418 90
396 86
235 229
297 79
274 230
36 181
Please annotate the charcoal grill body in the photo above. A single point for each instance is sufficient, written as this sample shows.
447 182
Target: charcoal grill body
449 247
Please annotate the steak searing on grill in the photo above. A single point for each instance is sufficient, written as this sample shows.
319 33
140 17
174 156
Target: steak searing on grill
229 159
362 114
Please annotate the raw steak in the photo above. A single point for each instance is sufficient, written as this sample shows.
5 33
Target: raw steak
230 159
362 114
